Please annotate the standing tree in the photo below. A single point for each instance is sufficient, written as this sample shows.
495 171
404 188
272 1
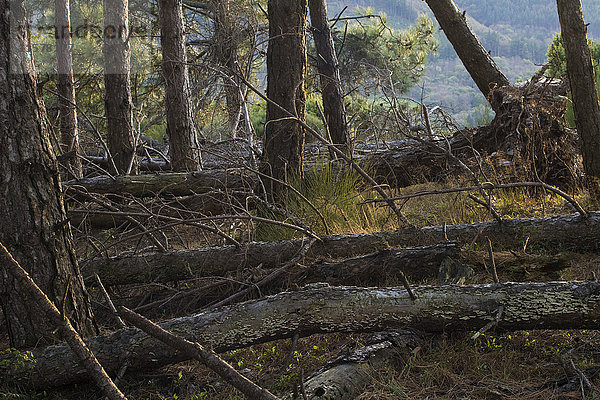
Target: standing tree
32 216
286 68
226 55
66 87
329 73
117 101
475 58
583 85
184 150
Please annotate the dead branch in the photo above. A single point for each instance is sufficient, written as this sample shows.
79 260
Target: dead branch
198 352
76 345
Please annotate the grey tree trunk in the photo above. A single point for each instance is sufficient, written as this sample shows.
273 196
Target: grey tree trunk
570 232
117 101
286 69
371 270
66 88
184 149
329 74
169 184
32 215
583 85
320 309
476 59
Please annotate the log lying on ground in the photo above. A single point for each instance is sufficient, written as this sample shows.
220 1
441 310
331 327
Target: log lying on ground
323 309
179 265
375 269
346 376
570 232
168 184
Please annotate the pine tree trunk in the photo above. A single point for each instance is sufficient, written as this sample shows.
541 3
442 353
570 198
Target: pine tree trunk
66 87
583 84
32 215
286 67
226 56
329 73
184 150
118 103
476 59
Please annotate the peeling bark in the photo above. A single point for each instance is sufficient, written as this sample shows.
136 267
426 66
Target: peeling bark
324 309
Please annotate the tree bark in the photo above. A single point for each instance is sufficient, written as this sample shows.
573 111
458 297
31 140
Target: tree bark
86 357
184 149
469 49
226 55
32 215
66 88
321 309
570 232
117 101
369 270
286 69
168 184
583 83
329 74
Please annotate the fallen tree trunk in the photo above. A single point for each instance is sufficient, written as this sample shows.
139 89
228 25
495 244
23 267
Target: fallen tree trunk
179 265
345 377
377 268
322 309
570 232
168 184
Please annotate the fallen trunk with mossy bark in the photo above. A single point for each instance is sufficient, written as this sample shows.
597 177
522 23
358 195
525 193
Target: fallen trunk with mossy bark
569 232
322 309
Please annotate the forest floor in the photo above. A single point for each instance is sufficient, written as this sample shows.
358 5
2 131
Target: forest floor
451 365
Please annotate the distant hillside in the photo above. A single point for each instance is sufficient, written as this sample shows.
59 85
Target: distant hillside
517 32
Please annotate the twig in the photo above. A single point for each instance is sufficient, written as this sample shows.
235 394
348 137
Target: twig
290 356
196 221
486 205
490 186
492 262
585 382
293 189
197 351
302 386
82 352
109 157
128 216
490 324
407 286
111 305
269 278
